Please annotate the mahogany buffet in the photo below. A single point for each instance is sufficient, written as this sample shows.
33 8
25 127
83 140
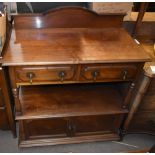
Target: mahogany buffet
73 73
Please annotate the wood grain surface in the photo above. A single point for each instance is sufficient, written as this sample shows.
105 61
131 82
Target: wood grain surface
68 46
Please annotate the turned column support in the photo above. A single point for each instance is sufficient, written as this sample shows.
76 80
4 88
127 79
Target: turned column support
128 97
141 90
17 101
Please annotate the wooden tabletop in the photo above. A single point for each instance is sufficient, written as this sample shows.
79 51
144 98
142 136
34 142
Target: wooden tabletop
72 46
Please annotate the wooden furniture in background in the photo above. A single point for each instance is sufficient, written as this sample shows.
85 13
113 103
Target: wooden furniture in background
72 78
144 118
6 105
143 8
2 29
6 109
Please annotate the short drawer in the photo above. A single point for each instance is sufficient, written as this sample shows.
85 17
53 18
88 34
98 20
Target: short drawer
108 72
45 73
70 127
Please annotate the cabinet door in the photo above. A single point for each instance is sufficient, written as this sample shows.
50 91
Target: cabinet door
90 125
71 126
45 128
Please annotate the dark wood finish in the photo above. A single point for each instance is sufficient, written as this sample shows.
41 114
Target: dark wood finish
3 119
69 129
6 111
46 48
6 105
68 17
75 73
111 72
144 118
1 98
141 88
58 101
143 122
72 46
4 124
149 97
144 109
45 73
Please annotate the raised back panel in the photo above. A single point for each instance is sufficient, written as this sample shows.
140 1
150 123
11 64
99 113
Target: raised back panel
68 17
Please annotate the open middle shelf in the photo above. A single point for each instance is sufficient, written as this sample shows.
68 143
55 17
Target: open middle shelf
48 101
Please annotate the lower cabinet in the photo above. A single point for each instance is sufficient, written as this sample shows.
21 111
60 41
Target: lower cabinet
69 130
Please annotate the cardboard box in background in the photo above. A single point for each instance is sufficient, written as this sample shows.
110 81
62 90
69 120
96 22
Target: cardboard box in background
2 31
112 7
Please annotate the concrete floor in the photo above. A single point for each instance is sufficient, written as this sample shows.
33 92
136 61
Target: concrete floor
129 143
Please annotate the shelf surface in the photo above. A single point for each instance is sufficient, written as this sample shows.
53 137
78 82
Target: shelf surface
69 100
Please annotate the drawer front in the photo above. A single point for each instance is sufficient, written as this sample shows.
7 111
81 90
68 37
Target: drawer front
108 72
143 122
71 127
3 119
45 73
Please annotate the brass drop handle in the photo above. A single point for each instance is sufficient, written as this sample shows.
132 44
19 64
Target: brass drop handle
95 74
62 75
30 75
125 73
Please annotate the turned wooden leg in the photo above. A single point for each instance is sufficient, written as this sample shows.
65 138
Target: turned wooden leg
143 86
17 102
127 99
